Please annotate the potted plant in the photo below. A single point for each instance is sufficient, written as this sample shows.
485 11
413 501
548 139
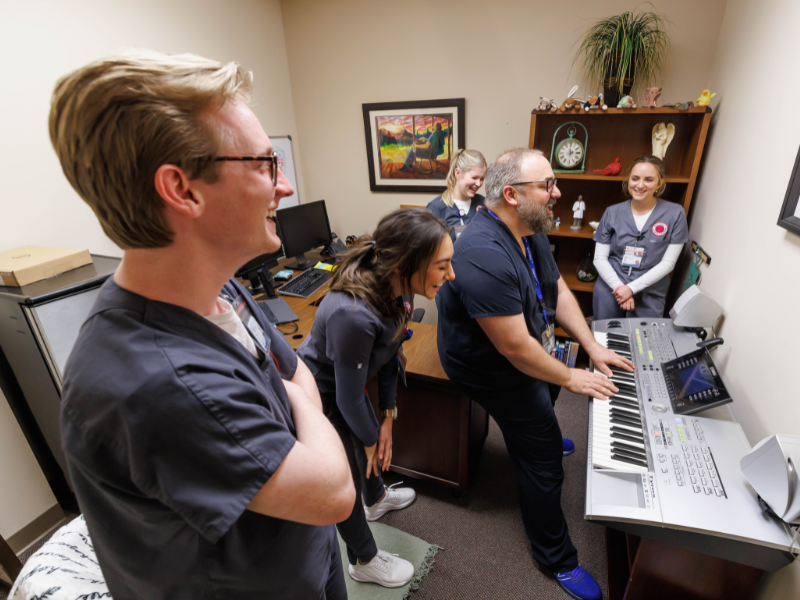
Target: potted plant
623 53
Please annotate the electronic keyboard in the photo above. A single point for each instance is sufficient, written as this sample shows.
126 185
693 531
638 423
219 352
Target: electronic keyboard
656 469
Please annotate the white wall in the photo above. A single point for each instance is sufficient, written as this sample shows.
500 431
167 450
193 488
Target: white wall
753 273
41 41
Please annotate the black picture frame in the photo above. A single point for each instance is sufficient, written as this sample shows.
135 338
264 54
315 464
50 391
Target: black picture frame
419 181
788 218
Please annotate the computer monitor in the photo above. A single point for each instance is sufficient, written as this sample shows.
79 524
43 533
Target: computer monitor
303 228
257 272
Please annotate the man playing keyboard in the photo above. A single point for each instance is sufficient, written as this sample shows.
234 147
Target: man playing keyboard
496 322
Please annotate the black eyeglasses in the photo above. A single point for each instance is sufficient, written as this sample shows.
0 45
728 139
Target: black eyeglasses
273 163
551 183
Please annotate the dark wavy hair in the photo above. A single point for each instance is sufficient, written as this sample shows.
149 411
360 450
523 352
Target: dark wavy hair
404 243
658 164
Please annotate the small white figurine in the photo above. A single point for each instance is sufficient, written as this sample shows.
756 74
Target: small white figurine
662 136
577 213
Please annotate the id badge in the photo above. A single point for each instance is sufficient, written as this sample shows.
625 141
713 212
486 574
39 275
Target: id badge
249 321
633 256
459 230
549 339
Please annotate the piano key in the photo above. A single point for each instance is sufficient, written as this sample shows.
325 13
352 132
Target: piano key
609 441
607 460
628 454
608 463
622 420
627 438
628 433
628 380
617 401
632 461
625 411
627 428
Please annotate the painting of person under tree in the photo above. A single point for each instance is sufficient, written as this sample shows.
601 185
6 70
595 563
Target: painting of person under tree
415 146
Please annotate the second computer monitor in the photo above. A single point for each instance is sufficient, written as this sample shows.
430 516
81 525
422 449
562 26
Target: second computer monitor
303 228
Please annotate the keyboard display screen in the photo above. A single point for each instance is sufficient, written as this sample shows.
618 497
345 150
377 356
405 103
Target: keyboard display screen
695 379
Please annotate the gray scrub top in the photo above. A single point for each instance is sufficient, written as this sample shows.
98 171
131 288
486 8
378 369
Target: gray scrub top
666 225
170 428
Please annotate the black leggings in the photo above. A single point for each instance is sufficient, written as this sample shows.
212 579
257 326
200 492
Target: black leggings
355 530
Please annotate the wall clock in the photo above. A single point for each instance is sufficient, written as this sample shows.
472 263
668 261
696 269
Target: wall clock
568 152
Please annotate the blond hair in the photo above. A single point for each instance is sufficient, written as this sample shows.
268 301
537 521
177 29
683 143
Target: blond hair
115 121
463 160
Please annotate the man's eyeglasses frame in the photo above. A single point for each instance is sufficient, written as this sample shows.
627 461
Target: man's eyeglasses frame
273 162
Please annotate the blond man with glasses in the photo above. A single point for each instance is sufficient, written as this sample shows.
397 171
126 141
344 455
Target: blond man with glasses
195 439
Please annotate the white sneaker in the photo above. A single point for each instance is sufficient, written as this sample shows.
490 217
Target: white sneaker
385 569
395 499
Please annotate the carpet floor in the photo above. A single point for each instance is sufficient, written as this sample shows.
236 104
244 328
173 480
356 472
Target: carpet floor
486 553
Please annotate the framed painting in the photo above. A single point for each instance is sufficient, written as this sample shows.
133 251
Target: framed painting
790 211
410 144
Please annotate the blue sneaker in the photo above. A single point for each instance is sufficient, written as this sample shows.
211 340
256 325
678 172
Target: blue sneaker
569 446
579 584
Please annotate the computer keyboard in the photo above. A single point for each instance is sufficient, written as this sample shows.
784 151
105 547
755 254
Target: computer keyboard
268 312
305 284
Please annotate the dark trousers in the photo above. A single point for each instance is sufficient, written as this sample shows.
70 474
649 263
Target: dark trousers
355 530
533 439
335 588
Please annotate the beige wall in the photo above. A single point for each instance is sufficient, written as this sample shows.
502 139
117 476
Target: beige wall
754 267
42 41
26 494
501 56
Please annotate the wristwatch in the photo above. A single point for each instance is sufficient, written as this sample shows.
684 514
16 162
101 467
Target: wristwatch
391 411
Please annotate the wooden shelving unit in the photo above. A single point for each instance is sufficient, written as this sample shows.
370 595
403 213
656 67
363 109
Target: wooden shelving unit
626 134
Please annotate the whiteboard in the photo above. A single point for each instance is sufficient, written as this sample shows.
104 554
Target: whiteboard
283 146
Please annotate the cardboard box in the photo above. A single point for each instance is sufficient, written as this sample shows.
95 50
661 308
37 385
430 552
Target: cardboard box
33 263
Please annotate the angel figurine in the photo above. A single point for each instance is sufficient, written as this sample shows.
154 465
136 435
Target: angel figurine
662 136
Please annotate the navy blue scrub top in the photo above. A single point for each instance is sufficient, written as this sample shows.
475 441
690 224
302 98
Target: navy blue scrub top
493 279
171 427
449 214
350 344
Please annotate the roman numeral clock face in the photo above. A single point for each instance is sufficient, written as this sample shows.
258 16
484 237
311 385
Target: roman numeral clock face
569 153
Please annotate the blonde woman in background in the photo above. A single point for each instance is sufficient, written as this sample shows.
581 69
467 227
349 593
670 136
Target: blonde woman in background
460 201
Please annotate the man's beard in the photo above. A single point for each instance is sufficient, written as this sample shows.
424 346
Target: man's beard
535 216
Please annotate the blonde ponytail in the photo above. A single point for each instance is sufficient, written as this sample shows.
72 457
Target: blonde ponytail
463 160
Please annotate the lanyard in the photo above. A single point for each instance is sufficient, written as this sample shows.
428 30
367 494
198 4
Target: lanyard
529 256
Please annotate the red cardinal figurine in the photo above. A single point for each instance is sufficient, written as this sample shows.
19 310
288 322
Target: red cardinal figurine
612 169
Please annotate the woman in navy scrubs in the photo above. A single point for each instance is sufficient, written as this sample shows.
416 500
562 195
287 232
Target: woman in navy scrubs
357 334
638 243
460 201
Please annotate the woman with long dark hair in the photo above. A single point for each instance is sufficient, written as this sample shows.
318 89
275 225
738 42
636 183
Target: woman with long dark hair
357 334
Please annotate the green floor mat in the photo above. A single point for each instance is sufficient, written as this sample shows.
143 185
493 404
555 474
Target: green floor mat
420 553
